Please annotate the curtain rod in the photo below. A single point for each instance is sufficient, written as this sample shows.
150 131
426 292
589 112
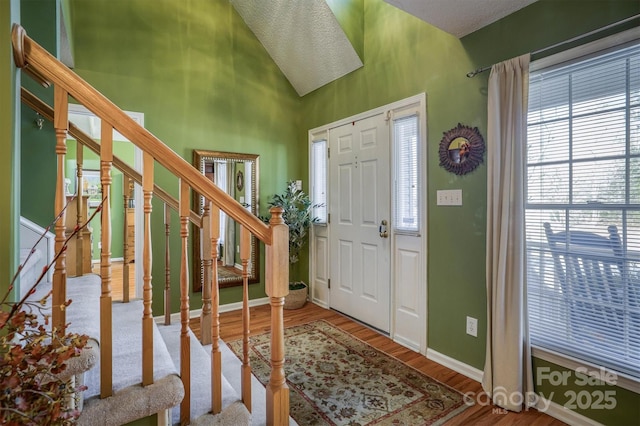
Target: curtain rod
571 40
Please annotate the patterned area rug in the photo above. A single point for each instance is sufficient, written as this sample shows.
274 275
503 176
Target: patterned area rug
337 379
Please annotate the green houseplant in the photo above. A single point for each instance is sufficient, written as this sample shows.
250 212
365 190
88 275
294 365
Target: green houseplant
297 215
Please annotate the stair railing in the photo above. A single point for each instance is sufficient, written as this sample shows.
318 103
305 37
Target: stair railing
47 70
170 203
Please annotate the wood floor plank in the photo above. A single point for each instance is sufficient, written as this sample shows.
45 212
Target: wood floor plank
231 329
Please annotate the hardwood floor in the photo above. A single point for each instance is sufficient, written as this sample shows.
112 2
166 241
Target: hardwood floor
116 280
231 329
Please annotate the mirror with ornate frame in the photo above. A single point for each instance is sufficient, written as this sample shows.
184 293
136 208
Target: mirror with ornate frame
237 175
461 149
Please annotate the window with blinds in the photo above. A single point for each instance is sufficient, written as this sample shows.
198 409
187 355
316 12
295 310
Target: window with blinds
583 209
319 184
406 203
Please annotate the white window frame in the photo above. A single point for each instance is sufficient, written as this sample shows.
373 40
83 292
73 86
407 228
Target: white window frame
578 53
319 207
398 182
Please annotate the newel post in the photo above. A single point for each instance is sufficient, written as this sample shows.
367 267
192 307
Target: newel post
277 287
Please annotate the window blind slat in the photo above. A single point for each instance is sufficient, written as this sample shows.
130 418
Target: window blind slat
319 189
583 257
406 204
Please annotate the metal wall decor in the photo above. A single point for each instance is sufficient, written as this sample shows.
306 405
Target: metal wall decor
461 149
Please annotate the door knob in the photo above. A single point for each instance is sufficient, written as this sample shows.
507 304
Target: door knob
382 230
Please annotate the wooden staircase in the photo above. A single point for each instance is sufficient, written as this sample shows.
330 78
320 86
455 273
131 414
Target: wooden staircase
155 376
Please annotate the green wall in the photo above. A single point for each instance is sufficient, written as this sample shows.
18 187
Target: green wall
405 56
10 142
203 81
37 190
350 16
519 34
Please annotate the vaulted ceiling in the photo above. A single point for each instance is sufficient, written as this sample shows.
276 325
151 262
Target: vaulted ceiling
308 43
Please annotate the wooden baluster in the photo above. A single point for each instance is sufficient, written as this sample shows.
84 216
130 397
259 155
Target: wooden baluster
106 350
61 122
245 253
80 215
167 266
276 287
147 297
216 355
205 255
126 264
185 346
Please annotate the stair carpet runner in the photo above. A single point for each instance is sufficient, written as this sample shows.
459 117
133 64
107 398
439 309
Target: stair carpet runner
130 400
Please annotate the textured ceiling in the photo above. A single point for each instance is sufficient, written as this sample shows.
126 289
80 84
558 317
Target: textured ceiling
303 38
460 17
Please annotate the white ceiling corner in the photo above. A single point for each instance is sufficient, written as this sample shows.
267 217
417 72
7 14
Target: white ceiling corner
303 38
460 17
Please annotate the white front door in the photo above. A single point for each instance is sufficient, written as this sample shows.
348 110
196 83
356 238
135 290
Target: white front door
359 204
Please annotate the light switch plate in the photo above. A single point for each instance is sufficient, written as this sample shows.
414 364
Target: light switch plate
449 197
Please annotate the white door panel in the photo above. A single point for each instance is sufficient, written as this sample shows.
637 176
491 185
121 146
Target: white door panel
380 281
360 200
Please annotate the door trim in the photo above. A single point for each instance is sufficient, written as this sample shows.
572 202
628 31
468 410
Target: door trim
319 291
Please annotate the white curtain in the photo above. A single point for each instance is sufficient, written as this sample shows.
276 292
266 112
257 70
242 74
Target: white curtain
507 371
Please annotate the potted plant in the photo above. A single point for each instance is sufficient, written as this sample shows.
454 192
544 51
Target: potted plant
297 215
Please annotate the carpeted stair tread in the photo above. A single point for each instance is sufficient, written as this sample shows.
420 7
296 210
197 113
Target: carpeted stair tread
201 384
132 403
127 350
81 317
231 368
131 400
236 414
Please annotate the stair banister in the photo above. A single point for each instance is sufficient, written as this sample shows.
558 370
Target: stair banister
127 190
216 355
106 331
79 207
33 55
276 287
245 254
46 112
60 273
185 342
147 319
39 63
167 265
207 265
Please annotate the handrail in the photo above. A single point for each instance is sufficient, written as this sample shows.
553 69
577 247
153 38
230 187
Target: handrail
28 53
33 58
42 108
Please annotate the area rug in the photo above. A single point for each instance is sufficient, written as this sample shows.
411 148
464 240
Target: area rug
336 379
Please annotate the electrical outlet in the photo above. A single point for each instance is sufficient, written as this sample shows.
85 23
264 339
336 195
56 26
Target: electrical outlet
472 327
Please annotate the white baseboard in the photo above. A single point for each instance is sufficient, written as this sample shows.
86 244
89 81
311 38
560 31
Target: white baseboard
223 308
320 303
113 259
561 413
410 344
457 366
544 405
30 232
